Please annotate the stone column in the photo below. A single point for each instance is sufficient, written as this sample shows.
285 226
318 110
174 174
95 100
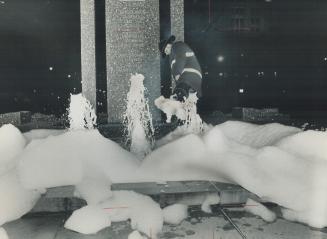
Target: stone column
87 11
132 36
177 19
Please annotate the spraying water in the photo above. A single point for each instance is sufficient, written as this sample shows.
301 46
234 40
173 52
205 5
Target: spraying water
193 122
138 119
81 114
185 111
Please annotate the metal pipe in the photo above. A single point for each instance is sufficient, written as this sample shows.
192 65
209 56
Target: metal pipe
231 222
209 11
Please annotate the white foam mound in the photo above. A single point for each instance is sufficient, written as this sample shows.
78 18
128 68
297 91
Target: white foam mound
315 218
278 163
260 210
295 180
216 141
309 144
93 190
145 214
135 235
256 135
3 234
15 200
88 220
67 158
179 132
176 161
42 133
12 143
175 214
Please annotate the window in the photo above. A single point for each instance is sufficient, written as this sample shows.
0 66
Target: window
239 11
238 24
255 21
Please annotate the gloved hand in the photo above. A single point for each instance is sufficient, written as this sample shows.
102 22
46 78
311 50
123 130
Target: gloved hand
181 91
180 94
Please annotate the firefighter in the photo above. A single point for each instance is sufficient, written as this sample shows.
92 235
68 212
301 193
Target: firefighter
185 68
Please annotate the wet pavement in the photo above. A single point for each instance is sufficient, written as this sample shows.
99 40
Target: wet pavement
197 226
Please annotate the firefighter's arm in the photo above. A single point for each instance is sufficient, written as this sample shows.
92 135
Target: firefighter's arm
177 65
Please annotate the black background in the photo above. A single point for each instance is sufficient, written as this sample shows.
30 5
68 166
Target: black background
287 42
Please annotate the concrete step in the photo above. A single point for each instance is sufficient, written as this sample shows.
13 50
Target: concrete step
61 199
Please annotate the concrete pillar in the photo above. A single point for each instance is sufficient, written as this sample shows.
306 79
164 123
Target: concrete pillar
87 11
177 19
132 36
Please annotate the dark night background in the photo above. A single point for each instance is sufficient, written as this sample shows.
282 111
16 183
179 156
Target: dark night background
273 53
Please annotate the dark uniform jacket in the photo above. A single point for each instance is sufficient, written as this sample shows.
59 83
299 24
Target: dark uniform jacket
184 63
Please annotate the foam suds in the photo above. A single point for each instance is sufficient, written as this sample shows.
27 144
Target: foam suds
185 111
278 163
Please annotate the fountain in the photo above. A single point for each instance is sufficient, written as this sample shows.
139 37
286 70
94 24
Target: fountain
81 114
138 119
